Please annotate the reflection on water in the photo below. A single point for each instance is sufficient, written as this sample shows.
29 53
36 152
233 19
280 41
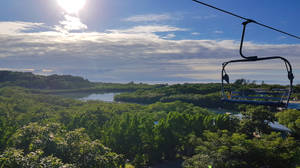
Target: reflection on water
107 97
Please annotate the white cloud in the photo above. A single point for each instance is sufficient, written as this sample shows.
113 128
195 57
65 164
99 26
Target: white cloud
205 17
218 32
169 36
18 27
15 69
195 33
149 29
149 18
71 23
135 54
47 70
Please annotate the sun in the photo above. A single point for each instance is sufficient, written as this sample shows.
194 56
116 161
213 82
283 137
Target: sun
71 6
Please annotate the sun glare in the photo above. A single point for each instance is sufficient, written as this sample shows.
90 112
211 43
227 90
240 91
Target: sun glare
71 6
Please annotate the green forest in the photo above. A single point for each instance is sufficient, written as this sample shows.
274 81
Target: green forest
146 125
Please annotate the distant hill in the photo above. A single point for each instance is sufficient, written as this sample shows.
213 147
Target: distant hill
32 81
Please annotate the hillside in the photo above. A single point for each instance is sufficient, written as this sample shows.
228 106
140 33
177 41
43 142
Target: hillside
32 81
65 83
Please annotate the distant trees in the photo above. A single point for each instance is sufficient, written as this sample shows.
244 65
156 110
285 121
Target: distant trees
29 80
204 95
64 83
142 97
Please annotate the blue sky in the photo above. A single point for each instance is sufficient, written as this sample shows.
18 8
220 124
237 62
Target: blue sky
147 41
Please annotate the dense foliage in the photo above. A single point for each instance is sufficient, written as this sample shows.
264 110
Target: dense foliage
51 145
38 130
290 118
223 149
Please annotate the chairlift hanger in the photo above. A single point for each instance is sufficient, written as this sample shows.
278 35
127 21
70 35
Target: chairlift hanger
225 76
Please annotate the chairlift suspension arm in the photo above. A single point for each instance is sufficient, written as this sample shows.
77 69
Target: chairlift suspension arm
242 41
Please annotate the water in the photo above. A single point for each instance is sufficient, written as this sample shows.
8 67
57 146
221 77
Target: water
107 97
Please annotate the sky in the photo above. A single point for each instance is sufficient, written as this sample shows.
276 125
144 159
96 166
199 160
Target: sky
157 41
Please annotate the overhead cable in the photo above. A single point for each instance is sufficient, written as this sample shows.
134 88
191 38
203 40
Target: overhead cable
253 21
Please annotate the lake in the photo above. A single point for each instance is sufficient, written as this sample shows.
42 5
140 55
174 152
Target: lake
107 97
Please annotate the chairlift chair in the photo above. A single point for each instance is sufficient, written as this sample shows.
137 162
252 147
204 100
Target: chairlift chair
274 97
